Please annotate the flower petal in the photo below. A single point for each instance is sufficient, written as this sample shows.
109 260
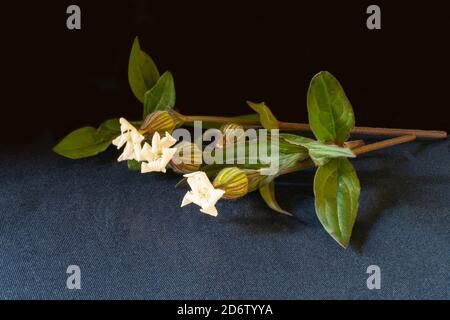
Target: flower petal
122 139
156 142
136 137
199 181
214 196
146 153
137 152
168 141
203 193
212 211
125 125
188 199
127 153
167 155
152 166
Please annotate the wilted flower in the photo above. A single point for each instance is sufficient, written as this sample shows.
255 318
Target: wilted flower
132 138
203 193
156 157
233 181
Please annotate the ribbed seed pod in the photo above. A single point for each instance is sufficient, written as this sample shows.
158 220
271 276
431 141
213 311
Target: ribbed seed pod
233 181
187 159
254 180
232 133
158 121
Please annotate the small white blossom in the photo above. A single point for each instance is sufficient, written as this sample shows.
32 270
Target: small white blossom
203 193
156 157
132 138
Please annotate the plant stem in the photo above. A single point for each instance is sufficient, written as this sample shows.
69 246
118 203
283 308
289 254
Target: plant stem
383 144
354 144
306 164
220 120
306 127
373 131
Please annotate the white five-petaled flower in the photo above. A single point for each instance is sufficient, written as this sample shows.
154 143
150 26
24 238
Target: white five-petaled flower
156 157
132 138
203 193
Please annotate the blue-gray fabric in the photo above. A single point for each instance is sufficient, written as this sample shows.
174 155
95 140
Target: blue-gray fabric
131 239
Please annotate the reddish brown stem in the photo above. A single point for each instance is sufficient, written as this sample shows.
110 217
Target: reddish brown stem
354 144
373 131
383 144
357 151
306 127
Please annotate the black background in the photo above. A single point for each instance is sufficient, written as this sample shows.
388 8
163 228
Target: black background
221 54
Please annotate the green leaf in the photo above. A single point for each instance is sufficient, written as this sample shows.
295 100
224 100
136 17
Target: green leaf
330 113
162 96
266 117
82 143
337 189
110 128
322 153
88 141
217 125
134 165
319 152
295 139
142 71
268 194
289 148
286 163
289 160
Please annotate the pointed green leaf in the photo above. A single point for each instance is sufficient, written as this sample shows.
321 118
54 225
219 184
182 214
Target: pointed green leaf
266 116
162 96
295 139
88 141
319 152
268 194
330 113
142 71
322 153
110 128
337 189
82 143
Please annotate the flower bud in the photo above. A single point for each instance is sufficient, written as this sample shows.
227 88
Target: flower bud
187 158
233 181
232 134
159 121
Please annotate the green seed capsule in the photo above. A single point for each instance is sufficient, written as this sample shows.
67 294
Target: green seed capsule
232 134
158 121
187 159
254 180
233 181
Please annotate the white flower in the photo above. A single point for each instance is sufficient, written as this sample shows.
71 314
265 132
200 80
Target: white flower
203 193
157 156
132 138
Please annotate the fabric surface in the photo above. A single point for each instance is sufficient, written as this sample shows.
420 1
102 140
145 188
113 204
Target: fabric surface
131 239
